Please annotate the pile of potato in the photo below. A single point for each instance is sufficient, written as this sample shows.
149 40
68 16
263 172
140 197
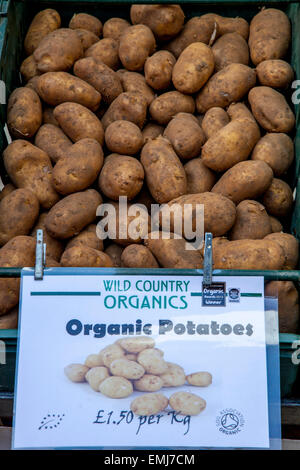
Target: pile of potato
161 111
135 364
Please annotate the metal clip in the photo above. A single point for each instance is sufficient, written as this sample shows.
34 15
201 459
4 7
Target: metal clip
40 256
207 264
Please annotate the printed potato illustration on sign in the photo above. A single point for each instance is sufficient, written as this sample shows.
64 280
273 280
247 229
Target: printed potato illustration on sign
135 364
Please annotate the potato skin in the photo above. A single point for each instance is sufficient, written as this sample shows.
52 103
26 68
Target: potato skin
275 73
48 116
18 212
252 221
42 24
165 175
231 48
229 25
6 190
87 38
275 224
136 44
9 321
79 168
138 256
85 21
185 135
165 21
54 248
193 68
271 109
53 141
107 51
58 87
24 113
127 106
78 122
28 68
290 246
58 51
278 199
270 34
74 212
87 237
165 106
114 251
123 137
200 179
214 119
225 87
158 70
245 180
277 150
121 175
151 131
288 304
84 256
114 28
136 82
30 167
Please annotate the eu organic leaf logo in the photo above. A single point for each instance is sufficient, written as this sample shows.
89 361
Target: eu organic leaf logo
51 421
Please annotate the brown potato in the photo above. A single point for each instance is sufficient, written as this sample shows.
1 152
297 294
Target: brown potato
42 24
165 175
165 106
128 107
48 117
24 113
100 76
9 321
271 109
144 197
114 28
6 190
114 251
231 48
193 68
78 122
74 212
214 119
290 246
30 167
58 87
278 198
87 38
274 73
18 212
28 68
245 180
136 44
85 21
82 256
277 150
53 141
200 179
79 168
275 224
270 35
138 256
58 51
123 137
229 25
158 70
32 83
87 237
54 248
151 131
136 82
106 51
185 135
165 21
252 221
288 304
121 175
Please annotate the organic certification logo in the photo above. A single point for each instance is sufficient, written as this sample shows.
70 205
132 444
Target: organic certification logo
230 421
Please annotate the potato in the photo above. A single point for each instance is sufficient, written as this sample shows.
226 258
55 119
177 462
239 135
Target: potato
121 175
53 141
6 190
136 44
165 21
128 107
32 83
172 252
275 224
229 25
82 256
165 106
231 48
70 215
200 179
54 248
136 344
114 28
245 180
149 404
271 109
270 35
111 353
94 360
174 376
123 137
58 87
288 304
58 51
197 29
106 51
252 221
136 82
225 87
18 252
18 212
85 21
199 379
24 113
100 76
48 117
185 135
274 73
28 68
214 119
152 362
186 403
42 24
116 387
138 256
87 38
127 369
76 372
151 131
193 68
158 70
9 321
290 246
165 175
277 150
78 122
30 167
278 198
249 254
114 251
87 237
147 383
79 168
95 376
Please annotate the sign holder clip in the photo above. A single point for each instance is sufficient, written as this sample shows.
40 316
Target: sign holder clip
40 256
208 260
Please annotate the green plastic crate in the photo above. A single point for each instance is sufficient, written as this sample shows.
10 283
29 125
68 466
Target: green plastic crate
289 372
7 370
